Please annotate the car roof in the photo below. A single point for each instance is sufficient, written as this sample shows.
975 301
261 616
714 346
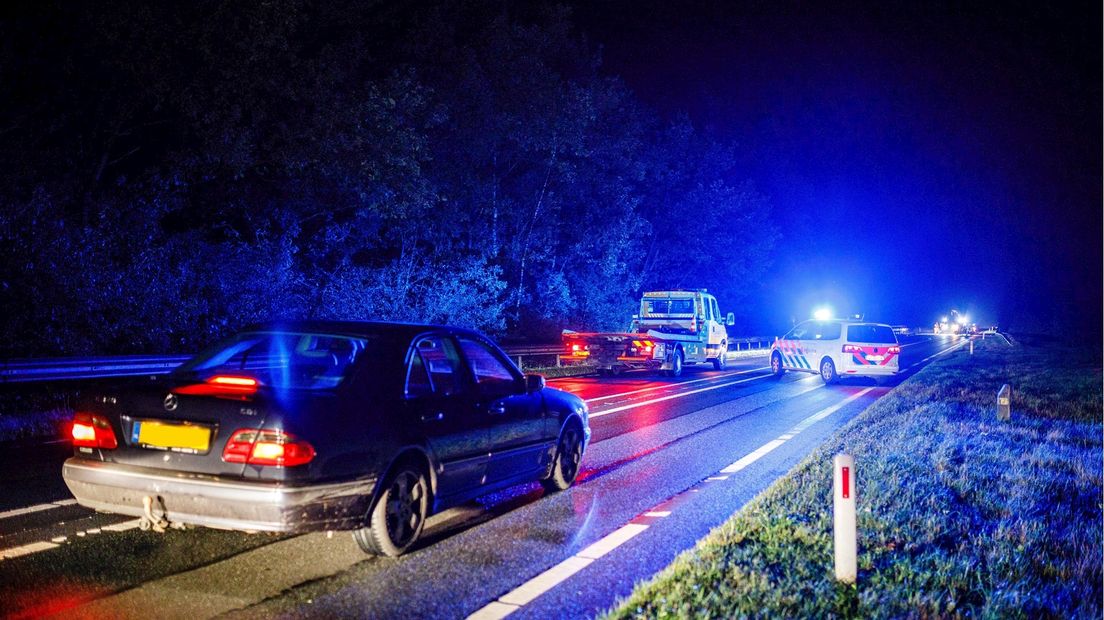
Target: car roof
358 328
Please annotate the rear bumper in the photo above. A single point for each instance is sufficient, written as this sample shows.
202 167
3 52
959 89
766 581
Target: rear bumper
857 370
217 502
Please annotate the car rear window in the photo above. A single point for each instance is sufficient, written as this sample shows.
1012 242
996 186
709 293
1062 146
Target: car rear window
870 333
668 306
281 359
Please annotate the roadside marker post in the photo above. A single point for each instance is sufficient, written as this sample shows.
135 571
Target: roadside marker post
1004 403
971 346
843 518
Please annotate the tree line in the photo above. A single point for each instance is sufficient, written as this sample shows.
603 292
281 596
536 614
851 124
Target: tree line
170 172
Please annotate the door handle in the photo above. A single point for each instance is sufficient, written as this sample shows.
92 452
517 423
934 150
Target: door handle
433 417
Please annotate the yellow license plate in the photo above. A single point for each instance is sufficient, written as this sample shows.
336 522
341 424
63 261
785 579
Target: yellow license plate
184 437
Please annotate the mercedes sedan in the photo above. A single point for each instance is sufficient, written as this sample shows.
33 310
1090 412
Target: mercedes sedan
308 426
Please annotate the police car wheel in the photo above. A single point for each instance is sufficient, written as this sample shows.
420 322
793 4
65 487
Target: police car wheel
776 365
828 371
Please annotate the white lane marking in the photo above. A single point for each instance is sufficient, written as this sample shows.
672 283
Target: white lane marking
673 385
948 349
35 547
773 444
612 541
7 514
759 453
520 596
672 396
530 590
545 581
24 511
124 526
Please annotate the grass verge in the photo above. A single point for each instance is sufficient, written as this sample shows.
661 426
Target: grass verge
959 514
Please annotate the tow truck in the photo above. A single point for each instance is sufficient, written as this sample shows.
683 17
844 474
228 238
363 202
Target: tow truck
672 330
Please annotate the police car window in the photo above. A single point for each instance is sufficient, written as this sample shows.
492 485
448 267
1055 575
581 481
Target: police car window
440 359
870 333
797 333
491 373
827 331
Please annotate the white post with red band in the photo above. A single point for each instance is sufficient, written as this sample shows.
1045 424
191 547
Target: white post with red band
843 518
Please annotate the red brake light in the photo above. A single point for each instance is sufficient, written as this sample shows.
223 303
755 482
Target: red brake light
852 348
267 447
92 431
894 349
222 386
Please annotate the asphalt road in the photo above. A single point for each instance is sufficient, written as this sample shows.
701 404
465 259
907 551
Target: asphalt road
669 460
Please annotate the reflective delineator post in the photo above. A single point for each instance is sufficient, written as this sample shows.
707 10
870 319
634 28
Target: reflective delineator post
971 346
843 518
1004 402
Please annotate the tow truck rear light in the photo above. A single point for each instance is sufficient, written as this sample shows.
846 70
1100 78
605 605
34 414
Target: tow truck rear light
222 386
93 431
269 447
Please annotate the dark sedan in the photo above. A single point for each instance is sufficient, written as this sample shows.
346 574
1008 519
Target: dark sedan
309 426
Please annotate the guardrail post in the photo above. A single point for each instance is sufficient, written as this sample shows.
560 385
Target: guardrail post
1004 403
845 538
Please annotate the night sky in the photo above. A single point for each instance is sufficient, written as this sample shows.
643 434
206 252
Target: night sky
920 156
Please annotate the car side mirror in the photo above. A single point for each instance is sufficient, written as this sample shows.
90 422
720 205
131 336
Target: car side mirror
731 319
534 383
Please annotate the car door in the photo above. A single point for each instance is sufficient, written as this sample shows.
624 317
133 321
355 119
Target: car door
793 347
438 400
520 442
823 341
717 332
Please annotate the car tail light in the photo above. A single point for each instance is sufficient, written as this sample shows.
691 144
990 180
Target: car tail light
93 431
267 447
222 386
894 349
852 348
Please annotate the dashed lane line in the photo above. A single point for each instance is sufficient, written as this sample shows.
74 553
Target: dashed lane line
673 396
7 514
527 592
673 385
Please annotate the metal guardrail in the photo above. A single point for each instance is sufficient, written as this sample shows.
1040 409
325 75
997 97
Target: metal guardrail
75 368
82 368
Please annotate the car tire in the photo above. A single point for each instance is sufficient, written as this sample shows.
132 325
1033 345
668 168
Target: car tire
569 456
721 362
828 371
777 369
676 364
397 519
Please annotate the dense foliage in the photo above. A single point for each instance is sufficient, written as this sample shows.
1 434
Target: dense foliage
172 171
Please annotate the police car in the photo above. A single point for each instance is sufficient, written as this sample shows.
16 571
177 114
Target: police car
837 348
